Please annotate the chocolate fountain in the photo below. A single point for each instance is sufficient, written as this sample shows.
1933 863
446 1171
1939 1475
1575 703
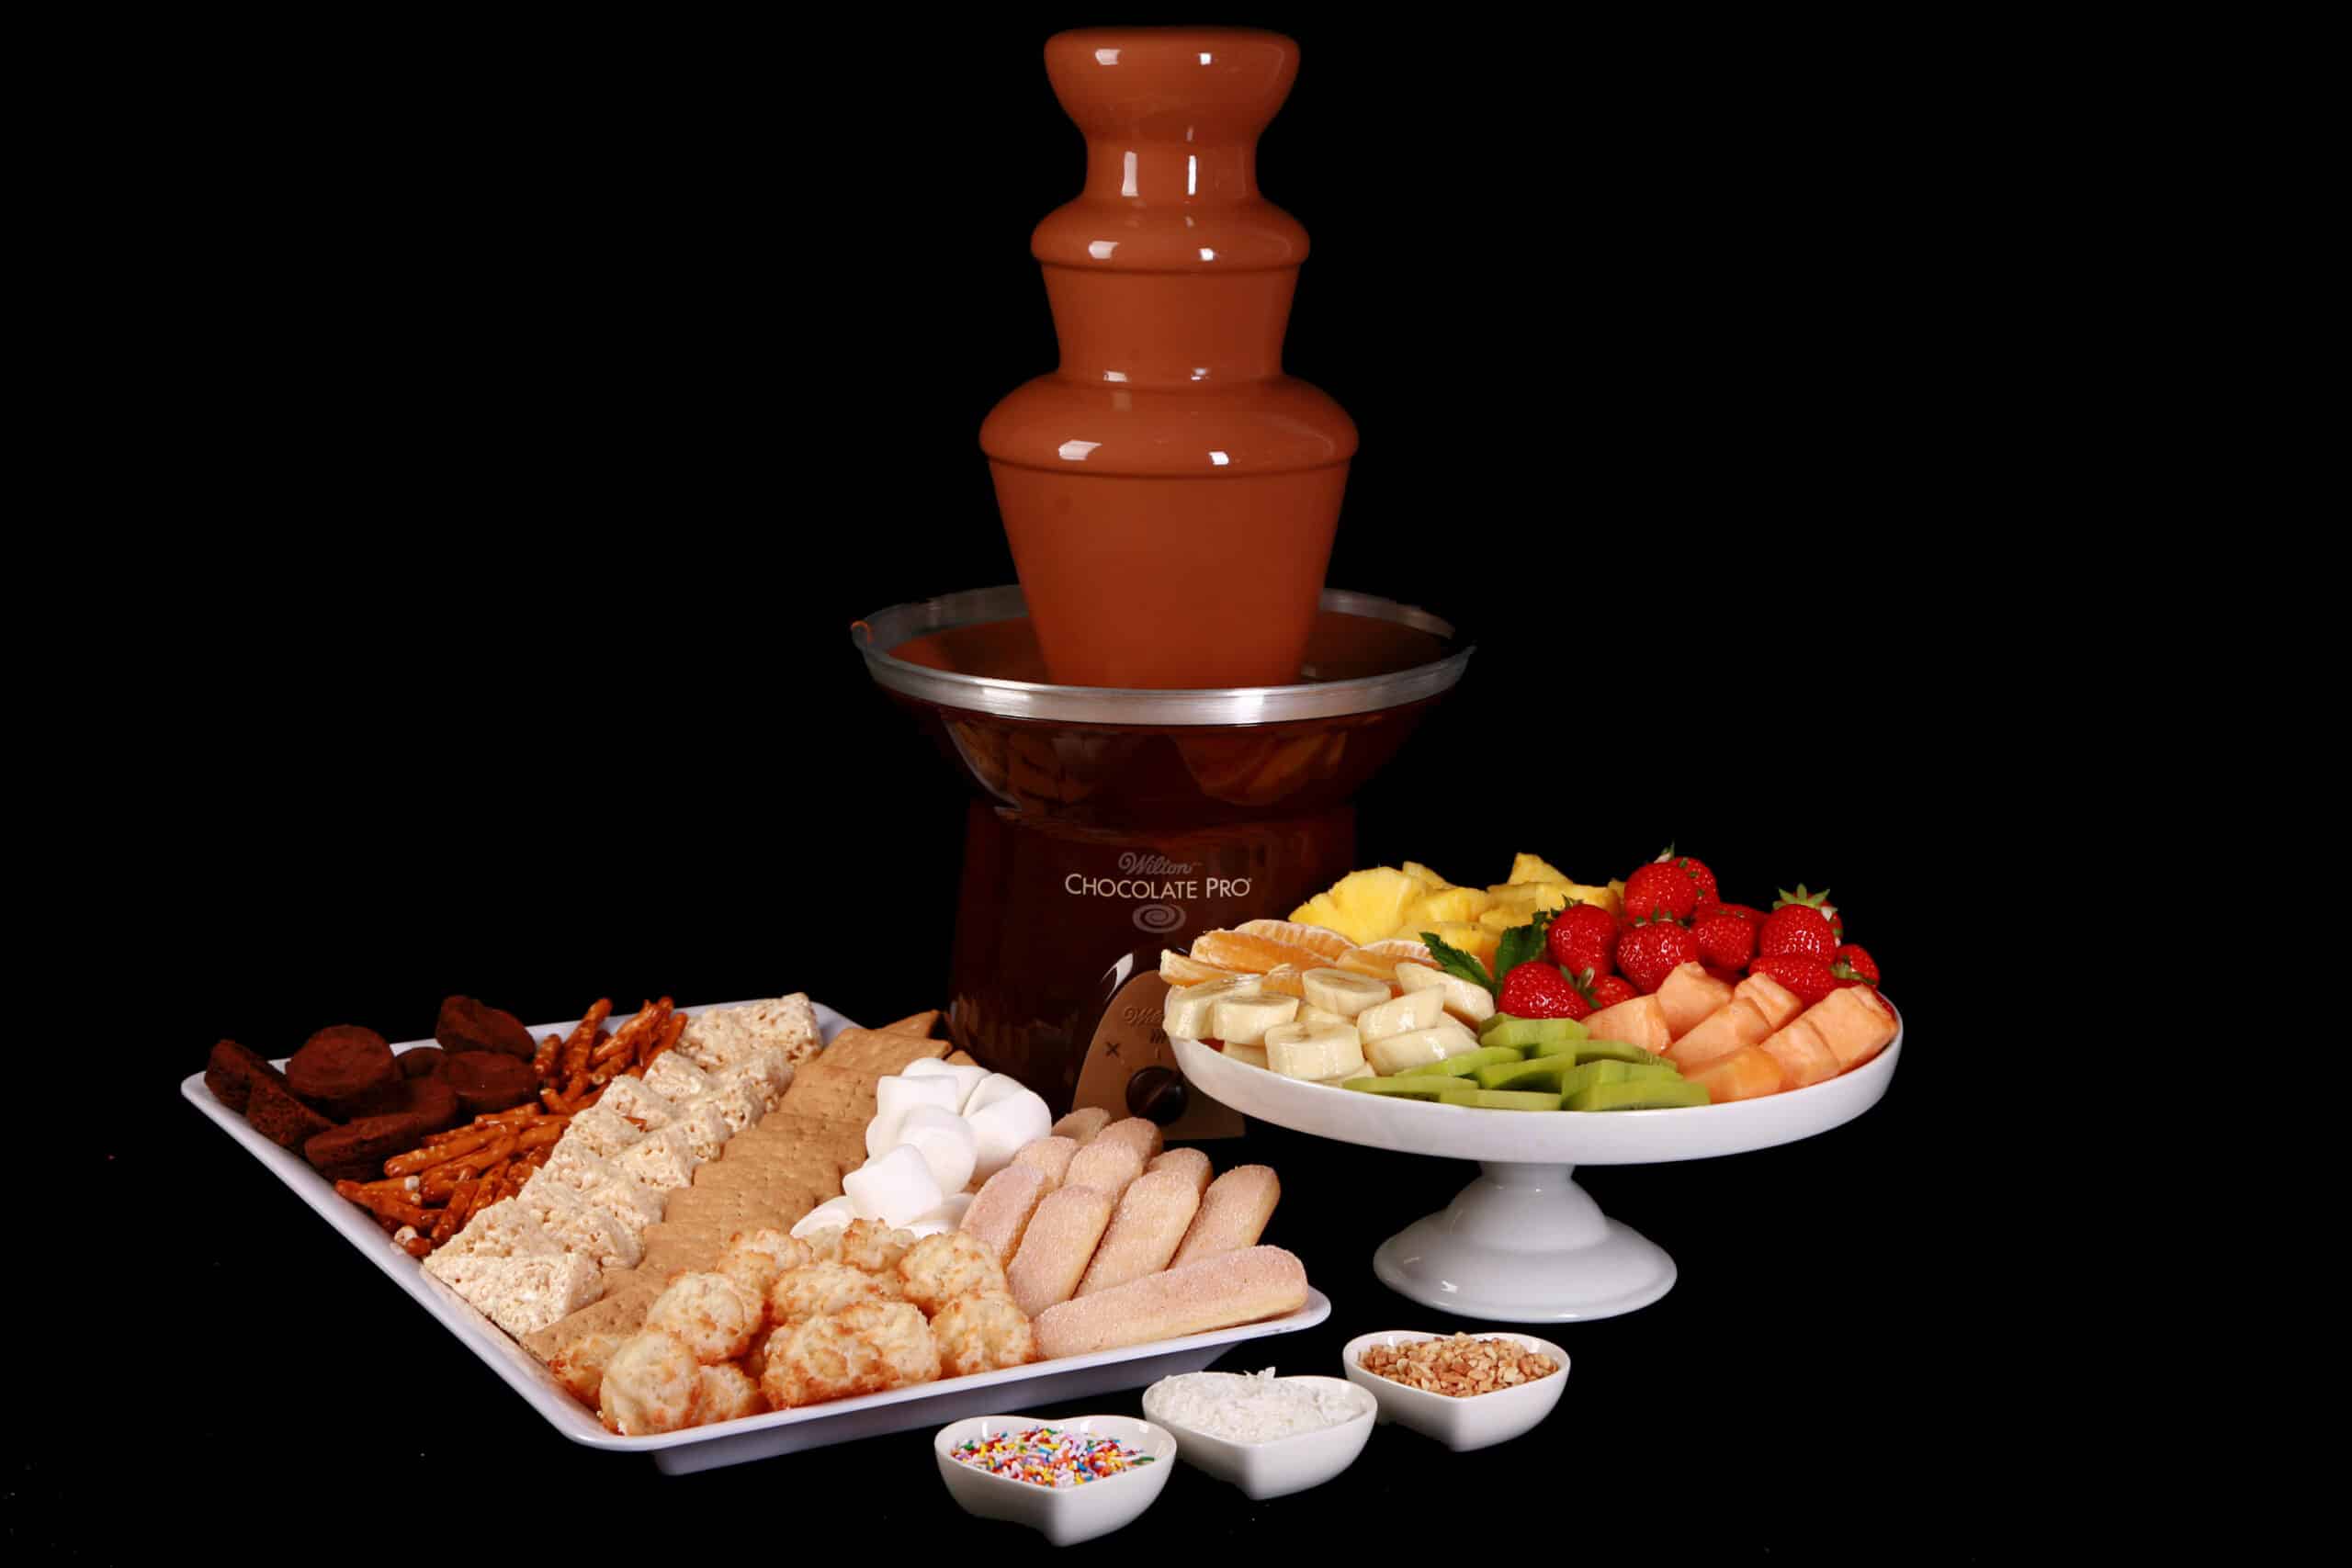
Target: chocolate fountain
1167 720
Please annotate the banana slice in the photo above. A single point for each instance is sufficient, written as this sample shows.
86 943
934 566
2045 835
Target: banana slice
1392 1054
1187 1013
1247 1055
1414 1009
1338 992
1311 1013
1471 1004
1314 1050
1243 1020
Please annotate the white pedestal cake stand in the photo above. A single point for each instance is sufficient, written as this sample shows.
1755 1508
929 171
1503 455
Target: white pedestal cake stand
1523 1243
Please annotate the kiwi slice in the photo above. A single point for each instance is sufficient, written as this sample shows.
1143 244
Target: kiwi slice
1424 1088
1526 1035
1542 1073
1614 1051
1464 1065
1499 1099
1637 1094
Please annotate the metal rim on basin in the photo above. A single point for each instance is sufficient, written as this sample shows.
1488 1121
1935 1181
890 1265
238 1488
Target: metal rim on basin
884 630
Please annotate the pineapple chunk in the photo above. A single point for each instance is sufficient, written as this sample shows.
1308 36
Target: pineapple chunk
1611 897
1502 917
1426 877
1529 868
1453 904
1477 939
1362 905
1529 896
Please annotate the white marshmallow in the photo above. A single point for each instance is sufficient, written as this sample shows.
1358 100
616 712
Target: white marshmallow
832 1215
995 1088
895 1096
1002 1127
949 1145
949 1212
922 1228
968 1076
893 1189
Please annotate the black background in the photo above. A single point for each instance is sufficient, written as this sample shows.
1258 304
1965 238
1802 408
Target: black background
553 404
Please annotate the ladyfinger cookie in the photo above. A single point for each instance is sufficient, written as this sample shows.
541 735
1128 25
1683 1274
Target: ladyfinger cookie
1000 1214
1141 1134
1231 1287
1081 1125
1059 1244
1051 1155
1107 1165
1191 1162
1233 1213
1146 1230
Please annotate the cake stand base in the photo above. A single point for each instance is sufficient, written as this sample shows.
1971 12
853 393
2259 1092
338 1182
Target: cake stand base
1524 1244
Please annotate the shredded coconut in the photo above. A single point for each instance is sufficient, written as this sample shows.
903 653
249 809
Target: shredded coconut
1255 1407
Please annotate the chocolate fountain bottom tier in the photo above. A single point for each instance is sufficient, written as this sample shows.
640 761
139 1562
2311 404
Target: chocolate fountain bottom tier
1057 924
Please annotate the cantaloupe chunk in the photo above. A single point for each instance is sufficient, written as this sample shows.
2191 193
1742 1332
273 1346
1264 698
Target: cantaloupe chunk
1774 1002
1804 1056
1640 1021
1688 994
1747 1073
1853 1023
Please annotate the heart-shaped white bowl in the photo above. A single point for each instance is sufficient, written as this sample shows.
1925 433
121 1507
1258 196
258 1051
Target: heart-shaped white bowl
1477 1421
1280 1465
1063 1515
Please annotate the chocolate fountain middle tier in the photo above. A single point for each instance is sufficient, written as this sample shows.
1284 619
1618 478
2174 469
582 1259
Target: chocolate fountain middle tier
1169 496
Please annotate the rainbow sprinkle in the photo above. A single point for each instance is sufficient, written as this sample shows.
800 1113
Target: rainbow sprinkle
1047 1456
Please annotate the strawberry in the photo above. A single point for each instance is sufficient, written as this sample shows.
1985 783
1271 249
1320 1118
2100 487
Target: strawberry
1810 979
1583 936
1727 941
1537 989
1853 965
1650 950
1610 989
1752 915
1665 883
1709 900
1797 928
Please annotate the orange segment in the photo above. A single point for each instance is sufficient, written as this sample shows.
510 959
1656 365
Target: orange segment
1283 980
1179 970
1252 954
1326 944
1379 959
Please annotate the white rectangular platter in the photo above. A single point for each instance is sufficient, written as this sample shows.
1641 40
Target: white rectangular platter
754 1437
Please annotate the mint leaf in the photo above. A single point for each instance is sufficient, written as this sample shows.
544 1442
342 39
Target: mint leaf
1521 944
1456 962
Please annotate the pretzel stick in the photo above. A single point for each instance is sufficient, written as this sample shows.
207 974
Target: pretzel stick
386 1206
646 1024
555 1101
671 1029
575 1086
541 1137
486 1191
418 1160
574 1055
454 1216
441 1181
543 1060
417 1247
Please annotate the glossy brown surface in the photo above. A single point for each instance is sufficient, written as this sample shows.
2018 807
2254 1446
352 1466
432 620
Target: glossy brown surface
1169 496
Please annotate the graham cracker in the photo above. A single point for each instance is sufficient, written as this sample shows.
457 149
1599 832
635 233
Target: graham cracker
914 1023
824 1088
961 1059
879 1051
619 1311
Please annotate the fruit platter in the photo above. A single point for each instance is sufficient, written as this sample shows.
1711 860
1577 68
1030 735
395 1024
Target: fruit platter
1533 1026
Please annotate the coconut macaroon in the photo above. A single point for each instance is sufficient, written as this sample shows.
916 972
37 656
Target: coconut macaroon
940 1268
710 1314
725 1392
753 1258
982 1333
648 1386
868 1348
822 1288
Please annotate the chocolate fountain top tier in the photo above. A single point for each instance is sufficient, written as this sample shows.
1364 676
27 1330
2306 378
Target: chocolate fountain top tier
978 652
